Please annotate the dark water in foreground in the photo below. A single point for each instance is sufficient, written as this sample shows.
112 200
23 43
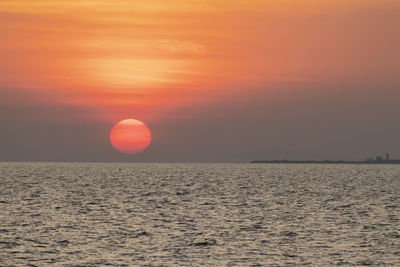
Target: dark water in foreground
199 215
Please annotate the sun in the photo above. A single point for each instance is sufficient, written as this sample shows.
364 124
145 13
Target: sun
130 136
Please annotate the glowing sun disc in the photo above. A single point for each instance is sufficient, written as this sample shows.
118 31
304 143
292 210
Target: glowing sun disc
130 136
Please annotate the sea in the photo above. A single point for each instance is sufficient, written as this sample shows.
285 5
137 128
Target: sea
131 214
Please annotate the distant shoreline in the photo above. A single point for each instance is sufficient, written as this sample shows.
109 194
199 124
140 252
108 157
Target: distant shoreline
394 161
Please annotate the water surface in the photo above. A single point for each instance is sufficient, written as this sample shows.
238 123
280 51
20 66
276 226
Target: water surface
86 214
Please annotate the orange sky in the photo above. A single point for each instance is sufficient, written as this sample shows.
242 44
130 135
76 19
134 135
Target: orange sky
180 61
148 56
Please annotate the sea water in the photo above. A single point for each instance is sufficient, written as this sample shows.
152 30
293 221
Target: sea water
89 214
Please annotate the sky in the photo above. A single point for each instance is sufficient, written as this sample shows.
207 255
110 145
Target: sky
214 80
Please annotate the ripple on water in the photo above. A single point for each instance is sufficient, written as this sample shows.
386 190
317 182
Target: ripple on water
84 214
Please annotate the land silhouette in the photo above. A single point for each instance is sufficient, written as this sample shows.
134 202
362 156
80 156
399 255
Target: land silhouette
376 160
